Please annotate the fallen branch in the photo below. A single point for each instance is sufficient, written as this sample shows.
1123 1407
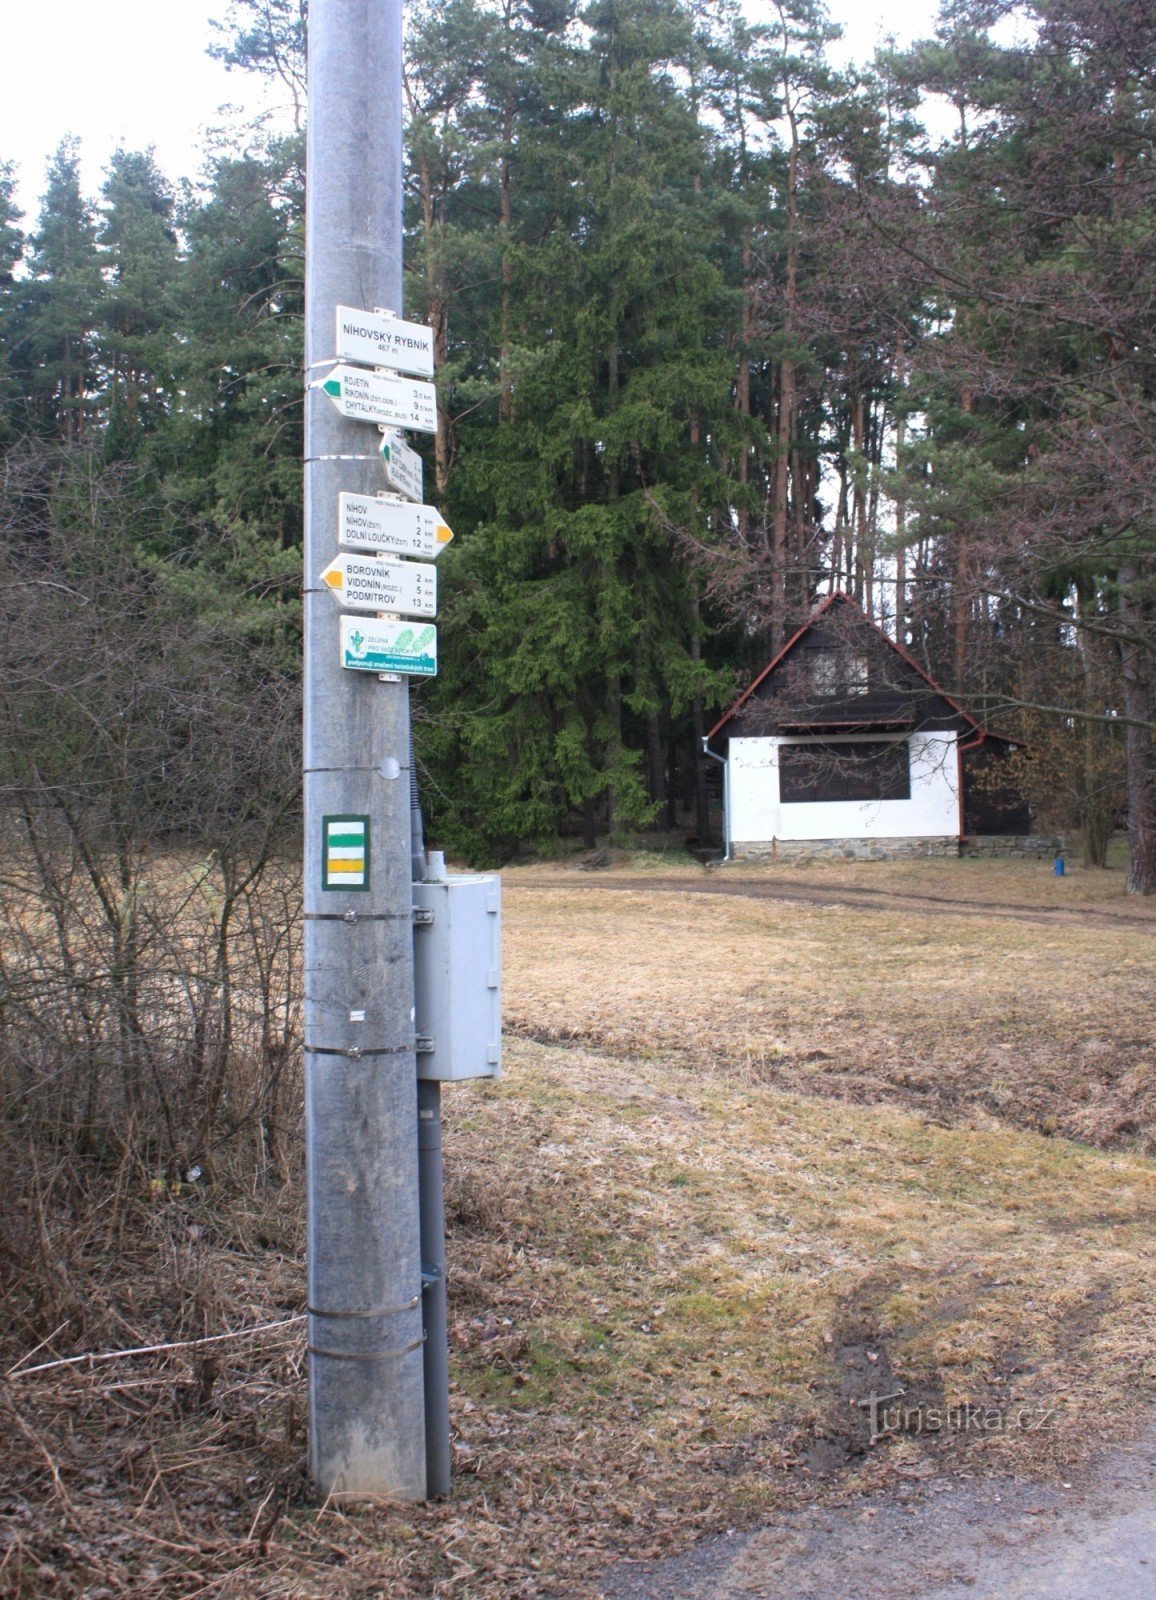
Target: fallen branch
146 1349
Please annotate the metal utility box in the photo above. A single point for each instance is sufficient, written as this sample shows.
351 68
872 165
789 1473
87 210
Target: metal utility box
457 971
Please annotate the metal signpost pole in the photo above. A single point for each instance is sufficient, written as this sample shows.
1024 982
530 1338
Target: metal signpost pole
367 1431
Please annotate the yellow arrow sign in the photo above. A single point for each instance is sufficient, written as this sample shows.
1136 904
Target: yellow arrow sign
392 526
373 583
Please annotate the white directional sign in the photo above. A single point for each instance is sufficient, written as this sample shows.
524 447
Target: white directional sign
368 583
378 397
371 645
403 467
383 341
391 525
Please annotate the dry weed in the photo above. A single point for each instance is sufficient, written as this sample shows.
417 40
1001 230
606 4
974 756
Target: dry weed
1046 1027
672 1277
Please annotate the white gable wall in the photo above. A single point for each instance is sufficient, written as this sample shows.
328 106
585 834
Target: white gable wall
757 815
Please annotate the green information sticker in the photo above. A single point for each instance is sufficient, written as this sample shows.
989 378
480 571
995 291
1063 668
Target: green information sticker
345 852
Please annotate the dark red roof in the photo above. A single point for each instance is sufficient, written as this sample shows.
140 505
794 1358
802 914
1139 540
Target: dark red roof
838 597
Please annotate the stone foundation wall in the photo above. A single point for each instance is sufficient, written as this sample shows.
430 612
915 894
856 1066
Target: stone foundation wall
896 849
998 844
845 849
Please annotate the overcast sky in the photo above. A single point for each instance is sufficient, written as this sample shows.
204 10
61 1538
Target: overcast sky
135 72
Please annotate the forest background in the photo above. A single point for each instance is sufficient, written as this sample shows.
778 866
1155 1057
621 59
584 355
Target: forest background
719 328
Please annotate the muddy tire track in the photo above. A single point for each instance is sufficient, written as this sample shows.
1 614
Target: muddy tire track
794 891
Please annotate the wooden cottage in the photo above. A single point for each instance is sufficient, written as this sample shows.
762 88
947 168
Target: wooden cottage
844 746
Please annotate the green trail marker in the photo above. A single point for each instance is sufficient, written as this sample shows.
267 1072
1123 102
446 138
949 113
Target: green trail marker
345 853
403 467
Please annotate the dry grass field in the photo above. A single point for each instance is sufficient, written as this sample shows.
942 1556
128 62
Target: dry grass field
752 1159
1019 994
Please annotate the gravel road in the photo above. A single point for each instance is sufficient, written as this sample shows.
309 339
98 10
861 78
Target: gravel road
1093 1538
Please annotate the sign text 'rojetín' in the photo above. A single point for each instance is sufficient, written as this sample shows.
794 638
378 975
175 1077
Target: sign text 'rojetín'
370 583
403 467
382 341
365 396
369 644
391 525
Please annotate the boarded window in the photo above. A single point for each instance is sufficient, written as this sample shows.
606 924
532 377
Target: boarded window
863 770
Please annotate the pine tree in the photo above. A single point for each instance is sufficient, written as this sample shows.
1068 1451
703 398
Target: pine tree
1043 227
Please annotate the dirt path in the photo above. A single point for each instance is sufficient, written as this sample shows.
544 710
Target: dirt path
996 1538
799 891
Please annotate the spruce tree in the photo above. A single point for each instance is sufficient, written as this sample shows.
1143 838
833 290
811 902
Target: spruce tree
570 616
140 317
13 368
63 303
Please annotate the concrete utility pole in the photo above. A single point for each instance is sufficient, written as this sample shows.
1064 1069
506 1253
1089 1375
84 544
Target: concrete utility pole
366 1434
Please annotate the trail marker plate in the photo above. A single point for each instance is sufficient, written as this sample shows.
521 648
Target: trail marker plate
369 583
391 525
365 396
345 852
403 467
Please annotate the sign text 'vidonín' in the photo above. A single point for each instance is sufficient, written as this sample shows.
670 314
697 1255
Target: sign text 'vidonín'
365 396
373 583
392 526
379 340
369 644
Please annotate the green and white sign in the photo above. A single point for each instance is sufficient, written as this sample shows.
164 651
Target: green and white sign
370 645
366 396
403 467
344 852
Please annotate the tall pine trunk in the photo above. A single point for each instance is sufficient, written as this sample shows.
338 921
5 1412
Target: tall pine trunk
506 400
438 318
1138 614
900 523
785 427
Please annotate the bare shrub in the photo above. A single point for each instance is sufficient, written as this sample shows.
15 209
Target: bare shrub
148 921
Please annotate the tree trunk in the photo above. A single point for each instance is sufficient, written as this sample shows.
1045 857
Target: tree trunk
1137 615
786 395
780 502
900 527
506 402
589 825
655 759
743 387
859 497
960 599
438 319
613 748
698 720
